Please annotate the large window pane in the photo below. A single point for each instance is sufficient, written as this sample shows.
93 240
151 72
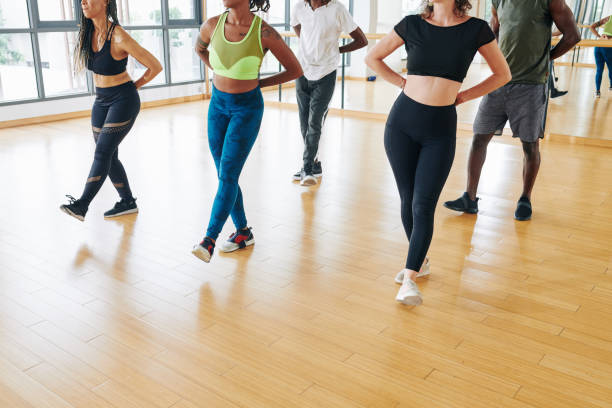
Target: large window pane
13 14
56 50
183 60
153 41
181 9
139 12
53 10
17 78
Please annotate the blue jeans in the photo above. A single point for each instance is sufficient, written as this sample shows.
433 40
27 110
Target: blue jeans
233 125
603 56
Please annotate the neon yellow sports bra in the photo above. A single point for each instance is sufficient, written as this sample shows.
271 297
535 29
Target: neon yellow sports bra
607 28
236 60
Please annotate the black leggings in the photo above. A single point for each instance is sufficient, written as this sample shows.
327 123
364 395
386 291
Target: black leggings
420 144
112 117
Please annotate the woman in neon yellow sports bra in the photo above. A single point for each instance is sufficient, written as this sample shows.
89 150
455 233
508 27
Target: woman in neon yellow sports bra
233 46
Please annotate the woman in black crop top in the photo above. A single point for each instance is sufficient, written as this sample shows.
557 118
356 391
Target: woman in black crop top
421 128
103 47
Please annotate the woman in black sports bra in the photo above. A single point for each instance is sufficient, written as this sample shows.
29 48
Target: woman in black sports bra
422 125
103 47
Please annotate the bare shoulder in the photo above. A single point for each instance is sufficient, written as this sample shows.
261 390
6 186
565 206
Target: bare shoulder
268 32
120 35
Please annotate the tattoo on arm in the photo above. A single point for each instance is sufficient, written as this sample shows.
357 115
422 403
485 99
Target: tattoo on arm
269 32
201 45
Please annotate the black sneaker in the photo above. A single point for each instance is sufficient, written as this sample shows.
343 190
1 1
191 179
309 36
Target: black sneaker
554 93
76 208
523 209
307 178
122 207
463 204
204 250
238 240
317 170
298 176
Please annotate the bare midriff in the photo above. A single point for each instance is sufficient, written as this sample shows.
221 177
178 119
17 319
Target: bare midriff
433 91
106 81
234 86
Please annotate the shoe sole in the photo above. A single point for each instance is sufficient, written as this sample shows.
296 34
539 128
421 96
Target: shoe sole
309 181
236 247
522 218
132 211
201 253
463 210
298 178
70 213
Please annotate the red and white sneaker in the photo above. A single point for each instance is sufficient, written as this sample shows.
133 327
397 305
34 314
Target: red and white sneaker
204 250
238 240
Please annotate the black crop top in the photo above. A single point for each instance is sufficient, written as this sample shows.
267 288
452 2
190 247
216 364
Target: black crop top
445 52
102 62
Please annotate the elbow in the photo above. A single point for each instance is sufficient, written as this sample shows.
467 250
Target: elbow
369 61
574 38
364 42
297 72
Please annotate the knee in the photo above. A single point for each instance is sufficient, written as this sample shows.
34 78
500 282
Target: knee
531 150
423 209
480 142
103 153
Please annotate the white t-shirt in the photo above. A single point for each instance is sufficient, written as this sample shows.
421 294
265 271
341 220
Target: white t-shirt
320 32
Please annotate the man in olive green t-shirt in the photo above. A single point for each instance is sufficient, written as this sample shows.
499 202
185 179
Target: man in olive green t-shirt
523 28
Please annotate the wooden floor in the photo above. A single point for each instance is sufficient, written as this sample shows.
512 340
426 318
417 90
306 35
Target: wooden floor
119 313
577 114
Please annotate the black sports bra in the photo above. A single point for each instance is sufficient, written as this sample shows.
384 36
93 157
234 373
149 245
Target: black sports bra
102 62
445 52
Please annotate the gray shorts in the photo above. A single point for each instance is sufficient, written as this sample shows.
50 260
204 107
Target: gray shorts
524 105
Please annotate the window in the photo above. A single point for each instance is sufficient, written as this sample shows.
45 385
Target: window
17 76
56 52
139 12
38 37
13 14
183 60
55 10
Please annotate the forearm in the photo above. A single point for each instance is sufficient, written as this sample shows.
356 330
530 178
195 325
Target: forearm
594 31
485 87
280 78
352 46
566 43
204 56
146 77
385 72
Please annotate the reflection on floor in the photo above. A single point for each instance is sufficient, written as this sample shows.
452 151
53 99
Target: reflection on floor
120 314
576 114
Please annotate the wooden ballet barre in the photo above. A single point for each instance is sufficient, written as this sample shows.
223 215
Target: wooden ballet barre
369 36
588 43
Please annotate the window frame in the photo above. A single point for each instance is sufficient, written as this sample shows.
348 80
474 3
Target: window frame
37 26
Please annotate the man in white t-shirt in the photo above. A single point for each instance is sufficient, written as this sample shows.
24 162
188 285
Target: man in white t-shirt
319 24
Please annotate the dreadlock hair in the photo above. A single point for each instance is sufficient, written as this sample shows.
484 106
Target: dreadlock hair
83 50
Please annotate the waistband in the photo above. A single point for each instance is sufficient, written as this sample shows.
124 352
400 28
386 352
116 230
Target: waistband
112 90
253 92
430 108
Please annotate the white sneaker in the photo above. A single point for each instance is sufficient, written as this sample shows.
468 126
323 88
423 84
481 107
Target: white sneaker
399 278
308 179
409 294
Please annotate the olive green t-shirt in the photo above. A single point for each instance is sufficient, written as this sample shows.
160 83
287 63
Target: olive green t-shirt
525 28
